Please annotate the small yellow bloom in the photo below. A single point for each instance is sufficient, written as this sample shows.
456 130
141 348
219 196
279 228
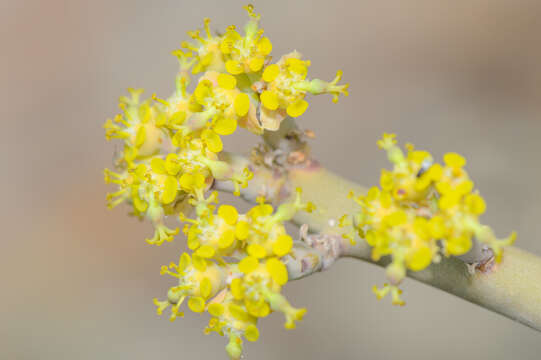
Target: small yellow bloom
269 99
205 287
228 213
454 160
387 141
458 245
162 233
282 245
255 64
241 230
264 46
227 239
297 108
196 304
170 189
215 309
234 67
242 104
226 81
257 251
251 333
191 182
422 211
248 53
271 72
206 251
237 288
475 204
419 258
277 270
248 264
225 126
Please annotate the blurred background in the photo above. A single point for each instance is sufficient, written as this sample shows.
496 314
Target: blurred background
78 280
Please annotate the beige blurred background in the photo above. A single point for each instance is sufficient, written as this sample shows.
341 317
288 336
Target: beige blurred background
77 280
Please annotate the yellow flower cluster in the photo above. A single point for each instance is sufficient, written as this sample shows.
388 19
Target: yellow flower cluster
171 156
420 211
286 87
168 160
270 92
235 294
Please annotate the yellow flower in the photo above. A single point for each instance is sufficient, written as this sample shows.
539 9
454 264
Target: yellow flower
229 214
192 182
248 53
139 125
212 140
257 251
251 333
282 245
277 270
286 87
419 258
220 101
248 264
206 51
162 233
195 282
386 289
123 181
387 141
423 210
454 160
170 159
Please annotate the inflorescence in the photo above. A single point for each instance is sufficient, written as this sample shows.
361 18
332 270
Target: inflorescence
171 157
420 211
235 268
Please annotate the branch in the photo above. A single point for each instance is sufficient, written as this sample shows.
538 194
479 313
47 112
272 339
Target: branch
511 287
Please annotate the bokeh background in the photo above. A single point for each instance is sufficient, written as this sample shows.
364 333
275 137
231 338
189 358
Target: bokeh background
77 280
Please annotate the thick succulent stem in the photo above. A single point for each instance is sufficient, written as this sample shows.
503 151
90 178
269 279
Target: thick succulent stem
511 287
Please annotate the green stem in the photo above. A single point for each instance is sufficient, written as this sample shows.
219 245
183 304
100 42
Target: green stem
511 288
